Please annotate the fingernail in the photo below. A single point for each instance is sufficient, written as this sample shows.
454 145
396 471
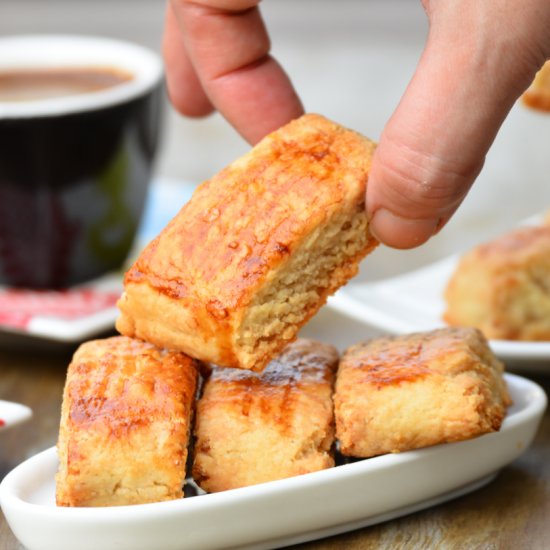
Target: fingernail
399 232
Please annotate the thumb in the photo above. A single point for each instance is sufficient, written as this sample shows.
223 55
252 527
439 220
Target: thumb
434 145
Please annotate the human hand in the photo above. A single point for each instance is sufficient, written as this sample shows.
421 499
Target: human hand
478 59
217 57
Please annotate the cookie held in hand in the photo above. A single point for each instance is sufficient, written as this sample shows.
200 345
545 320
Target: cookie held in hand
257 250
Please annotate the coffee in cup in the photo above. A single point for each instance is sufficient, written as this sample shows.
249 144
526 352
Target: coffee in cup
79 128
35 84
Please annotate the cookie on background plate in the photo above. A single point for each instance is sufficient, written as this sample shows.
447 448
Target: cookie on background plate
502 287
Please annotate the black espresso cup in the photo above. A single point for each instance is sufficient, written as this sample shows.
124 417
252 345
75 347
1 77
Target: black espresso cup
79 128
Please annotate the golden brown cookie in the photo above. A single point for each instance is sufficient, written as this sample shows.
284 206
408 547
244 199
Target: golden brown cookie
256 427
405 392
257 250
503 287
125 424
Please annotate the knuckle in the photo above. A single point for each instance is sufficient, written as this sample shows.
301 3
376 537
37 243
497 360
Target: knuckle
427 183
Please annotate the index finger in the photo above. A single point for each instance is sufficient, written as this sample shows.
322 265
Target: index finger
228 45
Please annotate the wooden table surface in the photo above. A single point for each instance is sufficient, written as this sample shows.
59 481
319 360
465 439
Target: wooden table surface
512 512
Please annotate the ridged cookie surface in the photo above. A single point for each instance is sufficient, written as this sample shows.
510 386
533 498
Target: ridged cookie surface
256 427
257 250
125 424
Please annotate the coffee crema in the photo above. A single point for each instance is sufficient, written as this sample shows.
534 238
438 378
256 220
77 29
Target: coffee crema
35 84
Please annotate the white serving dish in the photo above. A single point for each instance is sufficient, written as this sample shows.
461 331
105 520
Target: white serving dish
278 513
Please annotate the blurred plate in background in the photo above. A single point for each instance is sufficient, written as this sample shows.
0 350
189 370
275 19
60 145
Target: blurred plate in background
12 414
414 302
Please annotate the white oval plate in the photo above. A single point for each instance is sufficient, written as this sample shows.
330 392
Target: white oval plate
12 414
414 302
278 513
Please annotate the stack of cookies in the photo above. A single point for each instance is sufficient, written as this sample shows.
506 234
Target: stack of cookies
210 316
